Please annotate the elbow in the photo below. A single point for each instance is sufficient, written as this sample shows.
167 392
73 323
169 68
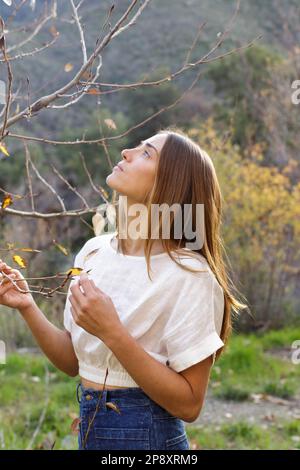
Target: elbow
192 417
73 372
193 412
190 413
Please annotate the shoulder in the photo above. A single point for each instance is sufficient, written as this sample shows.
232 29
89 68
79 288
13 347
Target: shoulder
203 281
192 261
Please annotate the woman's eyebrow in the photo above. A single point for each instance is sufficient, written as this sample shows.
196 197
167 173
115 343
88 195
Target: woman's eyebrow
149 145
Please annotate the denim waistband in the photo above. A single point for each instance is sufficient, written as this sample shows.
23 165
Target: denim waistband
125 397
131 393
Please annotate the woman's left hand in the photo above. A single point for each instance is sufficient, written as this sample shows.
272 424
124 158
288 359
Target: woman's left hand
93 310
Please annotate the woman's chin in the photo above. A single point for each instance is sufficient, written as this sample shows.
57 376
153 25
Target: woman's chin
110 181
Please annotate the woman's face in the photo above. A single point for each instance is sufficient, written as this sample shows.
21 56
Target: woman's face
139 166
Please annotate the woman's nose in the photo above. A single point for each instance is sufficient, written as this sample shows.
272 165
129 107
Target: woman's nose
124 153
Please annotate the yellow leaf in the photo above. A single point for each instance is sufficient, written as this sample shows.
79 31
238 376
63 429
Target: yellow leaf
31 250
20 261
74 271
69 67
3 149
7 201
61 248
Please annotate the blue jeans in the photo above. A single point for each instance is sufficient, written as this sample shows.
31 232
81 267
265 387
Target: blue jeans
133 422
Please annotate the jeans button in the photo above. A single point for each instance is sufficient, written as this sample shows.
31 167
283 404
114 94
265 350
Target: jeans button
88 397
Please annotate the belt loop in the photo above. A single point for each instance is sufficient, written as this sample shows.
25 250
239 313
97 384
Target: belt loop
77 388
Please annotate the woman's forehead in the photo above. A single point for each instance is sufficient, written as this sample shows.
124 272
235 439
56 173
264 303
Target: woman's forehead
157 140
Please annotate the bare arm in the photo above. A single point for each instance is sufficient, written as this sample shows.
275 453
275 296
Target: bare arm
55 343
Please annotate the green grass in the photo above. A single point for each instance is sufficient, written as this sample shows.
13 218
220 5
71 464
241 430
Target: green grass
281 435
245 368
23 398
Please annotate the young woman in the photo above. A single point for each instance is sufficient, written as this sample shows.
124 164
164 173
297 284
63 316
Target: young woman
143 344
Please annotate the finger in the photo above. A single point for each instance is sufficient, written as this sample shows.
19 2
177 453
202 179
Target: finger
5 267
5 287
97 289
6 278
77 294
86 284
8 270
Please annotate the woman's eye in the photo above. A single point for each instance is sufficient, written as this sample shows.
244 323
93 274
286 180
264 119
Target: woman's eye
146 153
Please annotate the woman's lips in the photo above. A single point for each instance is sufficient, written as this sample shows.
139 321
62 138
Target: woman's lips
117 168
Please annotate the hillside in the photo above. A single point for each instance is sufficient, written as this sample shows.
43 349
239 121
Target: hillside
162 35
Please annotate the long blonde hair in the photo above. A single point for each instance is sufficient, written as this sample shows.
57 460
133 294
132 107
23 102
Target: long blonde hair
185 174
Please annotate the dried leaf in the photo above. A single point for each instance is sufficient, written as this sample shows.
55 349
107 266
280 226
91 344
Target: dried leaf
53 31
87 74
68 67
113 406
93 91
75 425
105 194
110 123
61 248
20 261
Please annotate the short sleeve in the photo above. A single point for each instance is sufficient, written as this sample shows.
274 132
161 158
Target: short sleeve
193 330
78 263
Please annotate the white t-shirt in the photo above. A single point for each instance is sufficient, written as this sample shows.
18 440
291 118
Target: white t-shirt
176 317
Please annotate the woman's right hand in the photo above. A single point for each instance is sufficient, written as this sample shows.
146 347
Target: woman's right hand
9 294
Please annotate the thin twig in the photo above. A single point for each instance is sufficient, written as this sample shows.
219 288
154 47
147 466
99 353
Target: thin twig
96 411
